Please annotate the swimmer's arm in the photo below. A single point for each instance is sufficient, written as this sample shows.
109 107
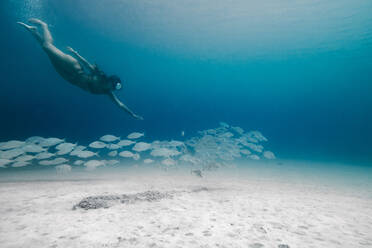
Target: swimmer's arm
82 59
123 106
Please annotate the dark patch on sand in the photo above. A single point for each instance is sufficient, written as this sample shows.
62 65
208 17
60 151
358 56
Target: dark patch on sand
106 201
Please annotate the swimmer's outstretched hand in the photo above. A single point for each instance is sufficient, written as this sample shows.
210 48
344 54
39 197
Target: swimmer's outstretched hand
70 49
138 117
123 106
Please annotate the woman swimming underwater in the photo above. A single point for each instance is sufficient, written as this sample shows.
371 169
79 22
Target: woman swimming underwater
78 71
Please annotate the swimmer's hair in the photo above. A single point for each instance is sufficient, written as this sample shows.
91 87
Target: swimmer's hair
115 82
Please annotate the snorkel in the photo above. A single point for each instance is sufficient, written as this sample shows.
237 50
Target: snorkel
112 82
118 86
115 82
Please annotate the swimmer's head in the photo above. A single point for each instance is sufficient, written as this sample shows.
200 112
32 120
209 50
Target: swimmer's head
115 82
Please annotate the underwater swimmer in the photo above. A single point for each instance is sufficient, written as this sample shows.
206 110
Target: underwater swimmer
78 71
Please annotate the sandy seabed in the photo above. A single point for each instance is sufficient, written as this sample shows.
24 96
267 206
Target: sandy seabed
237 208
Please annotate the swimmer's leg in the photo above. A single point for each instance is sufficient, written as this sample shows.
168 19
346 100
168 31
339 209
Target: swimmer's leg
47 43
33 31
60 60
47 36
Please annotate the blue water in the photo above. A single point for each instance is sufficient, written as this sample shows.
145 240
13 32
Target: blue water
298 71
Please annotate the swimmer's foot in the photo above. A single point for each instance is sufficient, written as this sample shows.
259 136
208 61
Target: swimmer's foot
37 21
28 27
